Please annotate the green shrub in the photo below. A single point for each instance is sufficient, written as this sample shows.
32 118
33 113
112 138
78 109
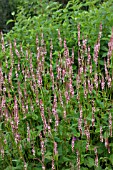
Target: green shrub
52 118
42 16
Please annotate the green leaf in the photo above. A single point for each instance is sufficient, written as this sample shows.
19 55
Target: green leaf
98 168
56 157
90 162
32 116
48 155
101 104
82 168
10 21
101 62
65 159
111 158
57 139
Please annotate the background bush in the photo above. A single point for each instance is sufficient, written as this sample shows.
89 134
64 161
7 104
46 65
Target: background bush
48 16
21 57
7 10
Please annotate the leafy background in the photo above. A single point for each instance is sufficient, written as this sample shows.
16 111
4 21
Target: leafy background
22 22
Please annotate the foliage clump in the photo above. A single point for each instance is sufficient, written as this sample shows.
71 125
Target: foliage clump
56 88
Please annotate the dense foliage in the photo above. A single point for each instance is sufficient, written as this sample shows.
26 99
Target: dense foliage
56 87
42 16
8 9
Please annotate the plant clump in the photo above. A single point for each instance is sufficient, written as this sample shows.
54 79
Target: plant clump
55 115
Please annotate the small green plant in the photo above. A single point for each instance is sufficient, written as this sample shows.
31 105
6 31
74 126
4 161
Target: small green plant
55 115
